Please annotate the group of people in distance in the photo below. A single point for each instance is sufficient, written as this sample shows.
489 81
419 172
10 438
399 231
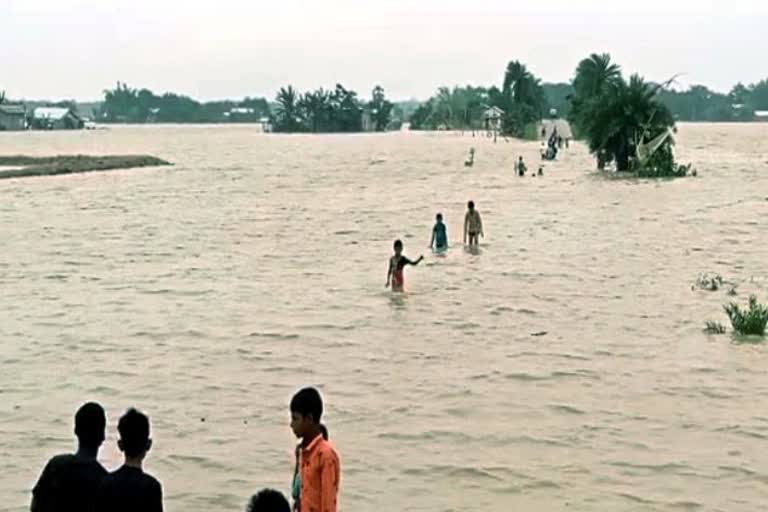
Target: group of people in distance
79 483
473 231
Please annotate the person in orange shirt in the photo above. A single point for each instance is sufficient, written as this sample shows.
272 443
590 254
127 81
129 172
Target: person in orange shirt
320 470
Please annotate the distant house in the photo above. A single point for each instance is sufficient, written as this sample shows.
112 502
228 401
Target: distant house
241 115
492 119
56 118
13 118
266 124
761 115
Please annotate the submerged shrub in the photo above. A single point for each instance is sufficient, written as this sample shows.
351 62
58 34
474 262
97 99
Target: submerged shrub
751 321
714 328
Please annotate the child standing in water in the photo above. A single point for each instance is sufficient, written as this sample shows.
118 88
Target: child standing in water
397 264
439 240
473 225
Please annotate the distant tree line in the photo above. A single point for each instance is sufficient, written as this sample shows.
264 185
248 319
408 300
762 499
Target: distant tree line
338 110
124 104
521 97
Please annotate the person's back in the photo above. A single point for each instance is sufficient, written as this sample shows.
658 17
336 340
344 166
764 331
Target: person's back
69 482
129 489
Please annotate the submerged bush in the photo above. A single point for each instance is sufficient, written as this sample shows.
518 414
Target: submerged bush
662 165
714 328
751 321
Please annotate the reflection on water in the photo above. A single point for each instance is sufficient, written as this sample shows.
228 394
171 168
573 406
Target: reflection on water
562 368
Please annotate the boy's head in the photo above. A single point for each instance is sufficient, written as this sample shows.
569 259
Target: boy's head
90 423
268 500
398 246
306 412
134 434
439 217
471 205
521 158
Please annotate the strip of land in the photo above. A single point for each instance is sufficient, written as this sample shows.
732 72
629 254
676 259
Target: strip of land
28 166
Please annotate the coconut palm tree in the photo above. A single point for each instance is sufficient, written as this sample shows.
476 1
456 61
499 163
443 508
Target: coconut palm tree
594 75
2 97
287 110
522 98
625 115
314 107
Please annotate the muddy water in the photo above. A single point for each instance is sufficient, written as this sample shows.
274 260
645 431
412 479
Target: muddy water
563 367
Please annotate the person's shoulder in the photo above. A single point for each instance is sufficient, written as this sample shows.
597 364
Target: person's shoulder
328 452
60 461
152 482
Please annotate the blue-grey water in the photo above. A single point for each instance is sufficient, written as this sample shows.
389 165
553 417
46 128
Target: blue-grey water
563 367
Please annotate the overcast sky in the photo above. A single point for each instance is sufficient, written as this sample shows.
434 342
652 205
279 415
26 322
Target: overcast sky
212 49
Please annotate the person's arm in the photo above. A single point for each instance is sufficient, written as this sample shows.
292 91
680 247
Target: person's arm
434 234
389 272
466 226
409 262
329 483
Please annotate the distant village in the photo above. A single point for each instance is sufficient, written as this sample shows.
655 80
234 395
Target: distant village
18 118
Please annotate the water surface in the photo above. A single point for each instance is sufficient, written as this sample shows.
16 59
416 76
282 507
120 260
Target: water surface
563 367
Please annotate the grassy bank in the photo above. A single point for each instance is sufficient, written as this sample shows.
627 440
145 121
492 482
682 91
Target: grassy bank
27 166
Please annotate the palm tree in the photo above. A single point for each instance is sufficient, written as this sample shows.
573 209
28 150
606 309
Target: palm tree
523 98
2 97
625 115
287 111
594 75
314 107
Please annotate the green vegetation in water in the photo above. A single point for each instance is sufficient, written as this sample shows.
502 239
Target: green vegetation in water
28 166
750 321
714 328
710 282
618 117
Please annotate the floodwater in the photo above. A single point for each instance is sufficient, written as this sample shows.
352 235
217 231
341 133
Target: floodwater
561 367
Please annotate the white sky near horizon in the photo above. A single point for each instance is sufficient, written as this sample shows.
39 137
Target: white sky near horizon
214 49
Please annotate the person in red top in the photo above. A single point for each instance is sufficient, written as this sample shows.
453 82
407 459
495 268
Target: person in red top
320 470
397 263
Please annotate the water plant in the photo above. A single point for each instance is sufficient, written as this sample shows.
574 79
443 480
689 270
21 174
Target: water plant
750 321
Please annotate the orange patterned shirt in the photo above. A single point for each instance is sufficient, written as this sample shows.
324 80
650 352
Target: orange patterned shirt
320 475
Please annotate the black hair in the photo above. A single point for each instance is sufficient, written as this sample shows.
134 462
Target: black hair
308 402
439 216
268 500
134 432
471 205
324 431
90 423
398 242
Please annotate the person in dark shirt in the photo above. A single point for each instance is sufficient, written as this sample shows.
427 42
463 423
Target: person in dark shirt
69 482
439 240
129 489
268 500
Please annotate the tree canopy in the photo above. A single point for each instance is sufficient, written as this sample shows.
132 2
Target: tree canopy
330 111
124 104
